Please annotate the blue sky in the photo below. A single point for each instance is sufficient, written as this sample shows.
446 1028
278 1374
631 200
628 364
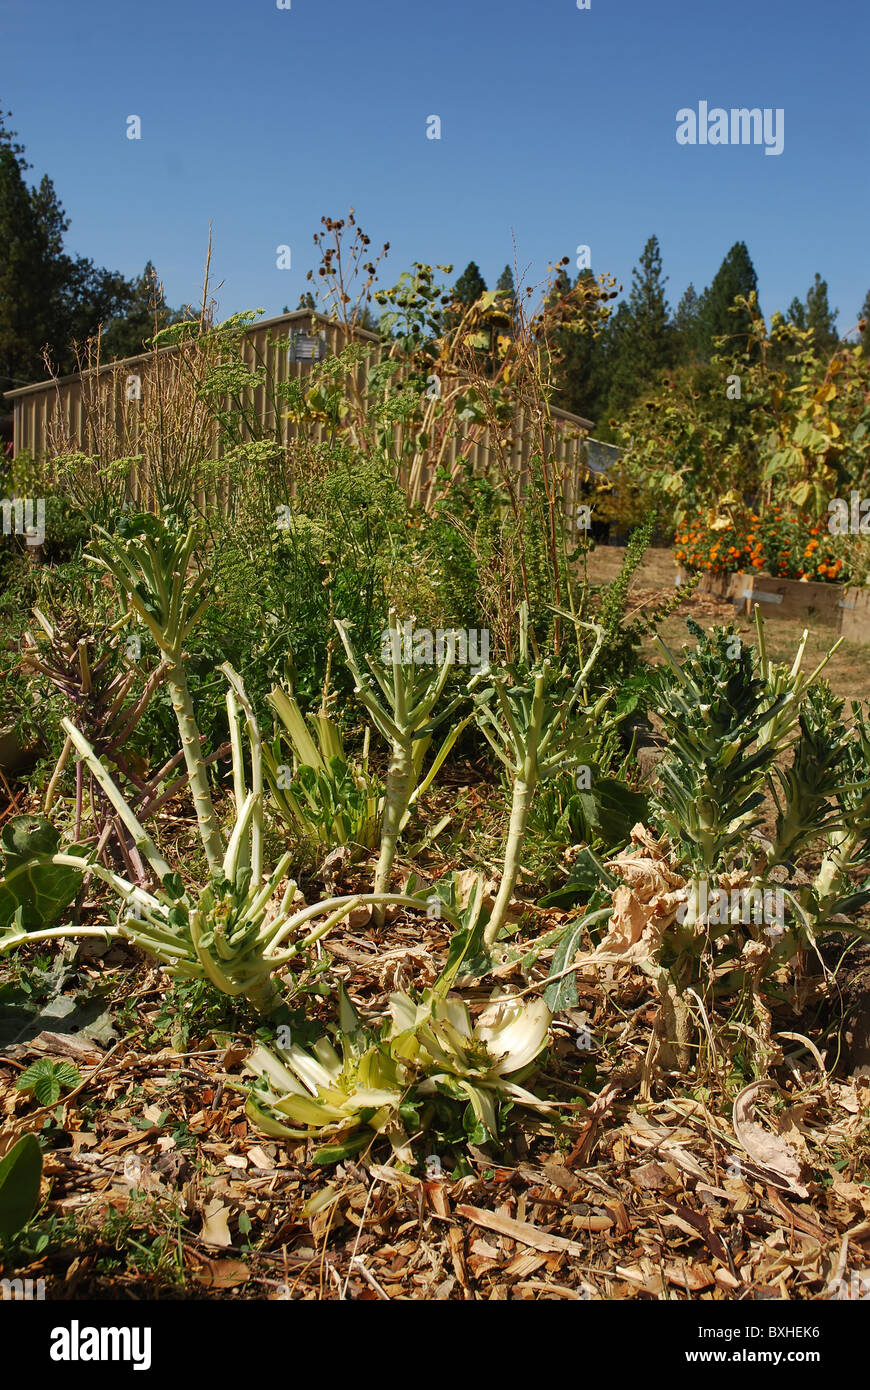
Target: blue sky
558 129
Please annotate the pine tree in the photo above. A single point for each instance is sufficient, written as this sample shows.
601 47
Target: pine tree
146 311
23 318
91 297
581 385
470 285
686 324
48 299
640 338
796 313
505 285
820 316
735 276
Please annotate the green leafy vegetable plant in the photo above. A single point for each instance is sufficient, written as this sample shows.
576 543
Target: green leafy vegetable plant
34 889
235 931
392 1082
150 558
713 908
535 720
404 713
329 800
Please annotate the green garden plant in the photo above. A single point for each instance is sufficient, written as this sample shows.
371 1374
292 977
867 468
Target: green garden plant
535 720
34 890
694 908
20 1176
228 931
235 931
87 670
397 1081
150 558
46 1080
405 716
329 800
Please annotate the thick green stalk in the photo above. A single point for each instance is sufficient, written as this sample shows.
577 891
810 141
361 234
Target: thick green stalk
238 693
520 805
396 798
154 578
265 995
101 775
191 744
524 771
9 943
404 721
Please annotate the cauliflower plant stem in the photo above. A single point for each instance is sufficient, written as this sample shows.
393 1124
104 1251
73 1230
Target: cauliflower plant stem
525 774
528 754
403 716
521 801
179 694
398 793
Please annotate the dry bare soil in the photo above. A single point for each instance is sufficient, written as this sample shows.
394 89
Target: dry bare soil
848 671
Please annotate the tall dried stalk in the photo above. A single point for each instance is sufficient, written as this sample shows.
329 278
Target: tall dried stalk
514 384
146 425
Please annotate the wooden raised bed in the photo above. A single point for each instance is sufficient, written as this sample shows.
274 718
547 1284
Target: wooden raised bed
846 608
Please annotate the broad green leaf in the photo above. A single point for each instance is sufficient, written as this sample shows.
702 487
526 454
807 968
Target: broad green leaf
173 886
800 493
34 892
348 1018
20 1175
335 1153
26 837
562 993
587 877
46 1079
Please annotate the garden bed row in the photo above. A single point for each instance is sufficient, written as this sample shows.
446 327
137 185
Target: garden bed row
845 606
